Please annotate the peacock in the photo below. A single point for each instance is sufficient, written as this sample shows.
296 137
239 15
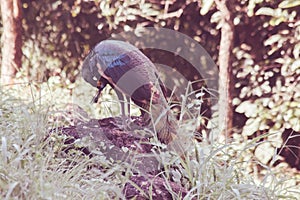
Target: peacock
126 69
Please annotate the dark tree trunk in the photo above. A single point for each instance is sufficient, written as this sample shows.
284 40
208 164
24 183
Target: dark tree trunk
11 11
225 67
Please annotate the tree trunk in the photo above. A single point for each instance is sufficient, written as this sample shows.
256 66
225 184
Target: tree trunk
225 69
11 11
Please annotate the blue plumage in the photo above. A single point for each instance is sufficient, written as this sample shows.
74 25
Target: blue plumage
120 61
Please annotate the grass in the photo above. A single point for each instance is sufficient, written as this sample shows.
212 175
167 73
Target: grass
33 167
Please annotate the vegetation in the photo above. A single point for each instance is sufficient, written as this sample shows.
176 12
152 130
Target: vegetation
36 167
266 101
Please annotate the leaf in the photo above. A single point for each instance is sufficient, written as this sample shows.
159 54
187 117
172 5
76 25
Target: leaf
289 4
264 152
216 17
265 11
251 6
250 109
295 124
199 95
251 126
296 51
276 21
288 115
273 39
206 5
276 139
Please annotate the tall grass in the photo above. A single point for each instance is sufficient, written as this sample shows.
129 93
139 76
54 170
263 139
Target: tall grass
33 166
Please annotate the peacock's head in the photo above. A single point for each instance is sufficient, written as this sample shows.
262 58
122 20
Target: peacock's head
91 75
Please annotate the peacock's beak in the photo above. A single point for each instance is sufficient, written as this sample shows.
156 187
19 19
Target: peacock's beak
96 97
100 86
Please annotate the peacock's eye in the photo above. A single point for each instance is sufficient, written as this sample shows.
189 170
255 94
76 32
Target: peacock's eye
99 84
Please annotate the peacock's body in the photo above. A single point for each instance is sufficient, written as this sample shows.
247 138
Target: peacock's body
130 72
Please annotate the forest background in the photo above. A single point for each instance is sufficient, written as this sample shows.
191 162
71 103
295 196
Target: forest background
41 58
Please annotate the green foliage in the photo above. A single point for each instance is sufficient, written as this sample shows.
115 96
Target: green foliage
33 165
53 28
269 89
67 30
266 68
